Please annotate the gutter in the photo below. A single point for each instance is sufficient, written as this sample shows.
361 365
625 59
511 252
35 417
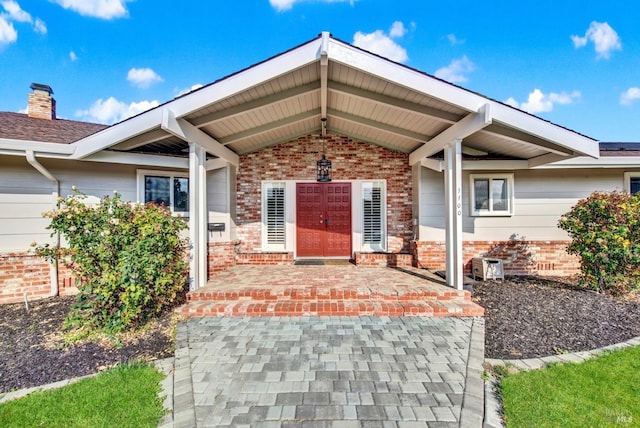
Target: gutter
31 158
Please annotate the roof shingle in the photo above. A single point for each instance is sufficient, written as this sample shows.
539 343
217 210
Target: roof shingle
20 126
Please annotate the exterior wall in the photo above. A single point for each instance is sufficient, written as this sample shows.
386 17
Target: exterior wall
351 160
219 203
530 240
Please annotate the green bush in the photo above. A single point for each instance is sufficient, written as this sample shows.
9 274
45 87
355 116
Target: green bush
605 233
128 259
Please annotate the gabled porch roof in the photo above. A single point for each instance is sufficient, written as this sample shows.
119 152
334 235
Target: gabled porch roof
361 95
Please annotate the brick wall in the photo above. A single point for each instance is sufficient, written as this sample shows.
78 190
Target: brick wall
22 273
519 257
221 255
350 159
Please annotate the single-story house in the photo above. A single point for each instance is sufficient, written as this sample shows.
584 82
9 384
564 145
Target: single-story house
323 151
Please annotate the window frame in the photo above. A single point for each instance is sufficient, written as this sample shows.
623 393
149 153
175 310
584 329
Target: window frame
141 176
382 244
264 221
490 211
627 180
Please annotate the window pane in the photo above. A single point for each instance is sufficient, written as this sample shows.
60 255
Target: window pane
372 209
499 195
157 190
180 194
481 194
275 214
634 185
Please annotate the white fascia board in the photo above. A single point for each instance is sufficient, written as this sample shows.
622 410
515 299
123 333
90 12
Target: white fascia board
460 97
494 165
138 159
588 162
189 133
246 79
546 130
404 76
117 133
468 125
22 146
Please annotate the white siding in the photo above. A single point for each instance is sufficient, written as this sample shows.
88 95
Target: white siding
540 198
219 203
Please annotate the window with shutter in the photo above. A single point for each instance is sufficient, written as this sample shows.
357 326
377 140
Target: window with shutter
274 214
373 210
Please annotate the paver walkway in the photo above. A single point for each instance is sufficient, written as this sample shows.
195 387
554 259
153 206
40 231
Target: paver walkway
328 372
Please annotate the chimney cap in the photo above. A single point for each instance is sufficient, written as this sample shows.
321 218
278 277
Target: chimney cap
41 87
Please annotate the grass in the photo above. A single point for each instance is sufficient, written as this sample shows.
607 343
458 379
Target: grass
126 396
601 392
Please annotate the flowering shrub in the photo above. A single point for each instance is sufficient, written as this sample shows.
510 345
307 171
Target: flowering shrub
605 232
128 259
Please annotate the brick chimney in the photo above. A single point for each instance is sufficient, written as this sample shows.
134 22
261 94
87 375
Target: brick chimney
41 103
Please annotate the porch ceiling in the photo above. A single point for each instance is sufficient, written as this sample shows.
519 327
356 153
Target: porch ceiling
362 96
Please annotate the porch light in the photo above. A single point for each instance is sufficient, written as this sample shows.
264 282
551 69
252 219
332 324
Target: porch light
324 164
324 169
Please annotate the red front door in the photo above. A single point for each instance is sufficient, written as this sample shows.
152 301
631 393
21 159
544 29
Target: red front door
323 220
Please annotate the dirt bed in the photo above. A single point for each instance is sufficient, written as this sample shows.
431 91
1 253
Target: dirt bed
536 317
33 353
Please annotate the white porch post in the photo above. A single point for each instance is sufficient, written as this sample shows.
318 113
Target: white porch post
197 216
453 208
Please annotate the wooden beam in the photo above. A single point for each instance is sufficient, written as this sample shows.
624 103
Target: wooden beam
470 124
255 104
395 102
268 127
189 133
415 136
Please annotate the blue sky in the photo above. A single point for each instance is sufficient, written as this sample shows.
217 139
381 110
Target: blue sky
576 64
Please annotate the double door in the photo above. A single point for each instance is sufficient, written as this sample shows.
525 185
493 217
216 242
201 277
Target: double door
323 219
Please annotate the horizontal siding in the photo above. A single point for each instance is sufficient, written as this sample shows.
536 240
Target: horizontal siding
541 198
218 203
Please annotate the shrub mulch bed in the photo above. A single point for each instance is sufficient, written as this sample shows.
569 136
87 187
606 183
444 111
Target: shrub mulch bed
525 318
33 352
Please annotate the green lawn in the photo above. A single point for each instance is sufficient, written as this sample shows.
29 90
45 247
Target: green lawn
125 396
601 392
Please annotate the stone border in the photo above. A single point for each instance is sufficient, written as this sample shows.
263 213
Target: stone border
493 406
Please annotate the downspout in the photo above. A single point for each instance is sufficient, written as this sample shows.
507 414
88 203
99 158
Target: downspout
31 158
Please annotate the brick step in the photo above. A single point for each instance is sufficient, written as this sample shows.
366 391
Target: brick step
435 308
326 294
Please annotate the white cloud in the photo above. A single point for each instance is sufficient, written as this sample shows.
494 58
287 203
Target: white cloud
380 43
187 90
15 13
8 34
456 71
73 56
602 36
397 29
454 40
103 9
111 110
538 102
39 26
282 5
630 95
143 77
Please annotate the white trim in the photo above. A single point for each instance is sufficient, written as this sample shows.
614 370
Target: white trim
627 179
360 202
489 212
140 159
453 214
140 185
264 238
35 146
